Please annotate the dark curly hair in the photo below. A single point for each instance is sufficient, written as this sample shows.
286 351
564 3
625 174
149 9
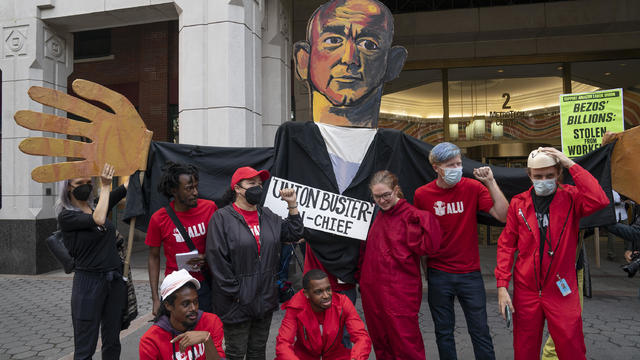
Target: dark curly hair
228 197
171 172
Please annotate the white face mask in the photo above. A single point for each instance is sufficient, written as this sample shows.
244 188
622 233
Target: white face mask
452 175
544 187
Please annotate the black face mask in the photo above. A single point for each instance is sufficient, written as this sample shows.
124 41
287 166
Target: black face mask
253 194
82 192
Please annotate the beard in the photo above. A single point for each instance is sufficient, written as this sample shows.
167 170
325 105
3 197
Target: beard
190 325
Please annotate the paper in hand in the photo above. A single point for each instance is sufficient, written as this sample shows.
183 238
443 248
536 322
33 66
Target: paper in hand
183 258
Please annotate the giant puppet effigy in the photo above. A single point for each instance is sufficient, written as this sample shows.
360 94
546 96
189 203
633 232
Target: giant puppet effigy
345 60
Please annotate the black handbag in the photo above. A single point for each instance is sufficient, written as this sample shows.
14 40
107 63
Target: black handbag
130 310
56 245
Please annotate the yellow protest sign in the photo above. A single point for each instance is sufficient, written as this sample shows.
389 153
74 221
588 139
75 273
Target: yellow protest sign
585 117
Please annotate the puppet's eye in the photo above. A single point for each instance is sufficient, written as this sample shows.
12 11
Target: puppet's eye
333 40
368 44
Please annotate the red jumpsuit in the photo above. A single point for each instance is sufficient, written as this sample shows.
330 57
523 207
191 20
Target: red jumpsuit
311 262
536 296
300 337
390 281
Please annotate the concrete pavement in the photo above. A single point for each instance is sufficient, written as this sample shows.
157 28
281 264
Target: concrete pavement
36 323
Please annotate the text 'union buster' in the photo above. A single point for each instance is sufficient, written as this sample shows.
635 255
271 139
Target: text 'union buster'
326 201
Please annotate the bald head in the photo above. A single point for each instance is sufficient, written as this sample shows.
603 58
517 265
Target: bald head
347 58
371 12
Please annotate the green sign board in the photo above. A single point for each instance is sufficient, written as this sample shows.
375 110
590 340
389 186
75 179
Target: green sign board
585 117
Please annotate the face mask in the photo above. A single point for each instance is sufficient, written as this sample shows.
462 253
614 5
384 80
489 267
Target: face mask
544 187
452 175
82 192
253 194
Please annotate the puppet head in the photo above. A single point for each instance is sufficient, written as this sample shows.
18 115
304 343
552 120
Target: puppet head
346 60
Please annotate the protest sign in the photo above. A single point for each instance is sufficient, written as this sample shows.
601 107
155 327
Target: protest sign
585 117
323 210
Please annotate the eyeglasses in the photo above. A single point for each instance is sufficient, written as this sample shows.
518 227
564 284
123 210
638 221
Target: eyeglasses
385 196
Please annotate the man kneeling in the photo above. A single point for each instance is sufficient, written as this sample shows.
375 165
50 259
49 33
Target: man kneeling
315 320
181 331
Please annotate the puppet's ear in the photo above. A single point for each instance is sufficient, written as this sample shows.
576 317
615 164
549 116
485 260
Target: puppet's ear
395 62
301 51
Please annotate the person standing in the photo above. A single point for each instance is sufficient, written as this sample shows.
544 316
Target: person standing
390 282
99 292
455 270
621 217
243 252
542 225
180 183
315 320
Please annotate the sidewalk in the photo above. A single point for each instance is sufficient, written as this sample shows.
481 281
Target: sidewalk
36 322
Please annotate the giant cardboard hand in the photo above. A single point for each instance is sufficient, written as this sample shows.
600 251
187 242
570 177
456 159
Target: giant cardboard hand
119 138
625 171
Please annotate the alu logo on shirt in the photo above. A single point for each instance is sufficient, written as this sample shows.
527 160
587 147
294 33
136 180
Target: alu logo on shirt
255 230
196 352
441 208
193 231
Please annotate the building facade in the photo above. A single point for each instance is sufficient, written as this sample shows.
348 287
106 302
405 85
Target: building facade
218 73
224 63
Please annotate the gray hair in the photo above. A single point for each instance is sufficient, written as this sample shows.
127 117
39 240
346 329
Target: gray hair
443 152
64 198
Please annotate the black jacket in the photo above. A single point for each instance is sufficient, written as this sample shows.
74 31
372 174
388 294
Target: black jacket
93 247
244 283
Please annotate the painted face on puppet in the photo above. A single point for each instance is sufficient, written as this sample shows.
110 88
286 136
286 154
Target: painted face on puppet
350 41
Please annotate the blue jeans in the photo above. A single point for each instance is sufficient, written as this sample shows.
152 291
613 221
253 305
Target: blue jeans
469 288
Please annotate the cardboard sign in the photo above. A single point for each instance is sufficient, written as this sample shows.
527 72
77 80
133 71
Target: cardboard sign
119 138
323 210
585 117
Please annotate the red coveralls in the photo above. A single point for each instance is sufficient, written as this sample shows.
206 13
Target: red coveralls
390 281
301 325
536 296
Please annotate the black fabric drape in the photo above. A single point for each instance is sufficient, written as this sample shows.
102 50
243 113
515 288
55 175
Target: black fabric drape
215 165
300 155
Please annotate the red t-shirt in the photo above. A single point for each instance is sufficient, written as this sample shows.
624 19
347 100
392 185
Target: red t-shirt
162 231
155 343
320 317
455 208
252 219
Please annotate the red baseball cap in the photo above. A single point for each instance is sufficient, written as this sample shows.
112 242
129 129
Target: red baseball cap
247 172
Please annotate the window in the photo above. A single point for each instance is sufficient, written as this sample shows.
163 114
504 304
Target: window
91 44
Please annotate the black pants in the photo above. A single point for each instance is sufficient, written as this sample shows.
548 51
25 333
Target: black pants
204 297
247 338
469 289
97 299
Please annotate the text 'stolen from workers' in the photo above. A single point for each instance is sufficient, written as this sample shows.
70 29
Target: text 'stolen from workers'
586 117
